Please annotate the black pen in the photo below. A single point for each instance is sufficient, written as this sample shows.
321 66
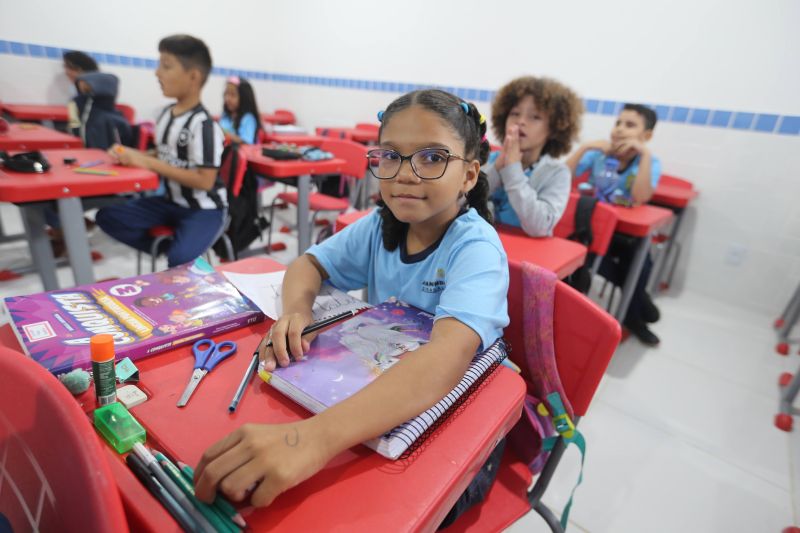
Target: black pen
160 493
251 368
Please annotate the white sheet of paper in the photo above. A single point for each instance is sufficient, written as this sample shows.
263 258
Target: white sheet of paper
265 291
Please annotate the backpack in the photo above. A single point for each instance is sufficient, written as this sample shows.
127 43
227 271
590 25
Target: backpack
546 414
581 279
101 124
245 222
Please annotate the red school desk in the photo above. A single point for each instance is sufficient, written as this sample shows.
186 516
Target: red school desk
61 183
641 222
38 112
292 138
297 168
358 491
557 255
26 137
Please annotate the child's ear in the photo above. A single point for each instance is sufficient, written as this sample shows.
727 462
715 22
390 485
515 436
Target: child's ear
471 177
648 134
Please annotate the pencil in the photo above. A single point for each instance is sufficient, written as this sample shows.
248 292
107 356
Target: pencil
251 368
95 171
160 493
219 501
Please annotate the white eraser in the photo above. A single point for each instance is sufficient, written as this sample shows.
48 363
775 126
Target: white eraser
131 396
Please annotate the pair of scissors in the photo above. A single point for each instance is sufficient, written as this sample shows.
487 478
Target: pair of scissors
207 354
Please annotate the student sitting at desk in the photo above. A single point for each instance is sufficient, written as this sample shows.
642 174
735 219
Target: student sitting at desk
636 173
537 120
75 64
429 244
189 146
240 117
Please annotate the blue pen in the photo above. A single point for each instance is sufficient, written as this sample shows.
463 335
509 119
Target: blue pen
92 164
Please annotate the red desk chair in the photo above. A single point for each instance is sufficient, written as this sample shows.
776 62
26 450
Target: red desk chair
368 126
585 338
53 471
336 133
231 171
672 261
285 117
603 222
128 112
355 154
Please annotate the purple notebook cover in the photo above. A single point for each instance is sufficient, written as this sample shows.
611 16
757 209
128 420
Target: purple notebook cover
349 355
146 314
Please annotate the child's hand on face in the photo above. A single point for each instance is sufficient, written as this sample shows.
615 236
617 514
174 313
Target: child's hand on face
629 147
261 461
511 153
289 327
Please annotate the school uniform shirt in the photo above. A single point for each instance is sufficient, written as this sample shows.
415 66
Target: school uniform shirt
532 198
191 140
464 275
595 161
247 127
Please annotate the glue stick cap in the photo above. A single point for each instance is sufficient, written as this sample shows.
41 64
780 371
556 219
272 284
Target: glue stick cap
102 347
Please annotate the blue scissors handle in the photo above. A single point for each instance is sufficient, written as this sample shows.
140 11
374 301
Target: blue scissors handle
208 353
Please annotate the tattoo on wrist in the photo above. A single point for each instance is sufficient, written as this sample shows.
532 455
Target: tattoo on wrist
292 442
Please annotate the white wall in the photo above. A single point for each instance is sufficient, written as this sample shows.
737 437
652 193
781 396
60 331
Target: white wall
737 56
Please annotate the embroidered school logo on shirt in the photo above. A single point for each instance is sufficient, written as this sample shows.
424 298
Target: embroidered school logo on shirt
436 285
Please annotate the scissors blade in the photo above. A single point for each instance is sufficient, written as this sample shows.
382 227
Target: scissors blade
197 375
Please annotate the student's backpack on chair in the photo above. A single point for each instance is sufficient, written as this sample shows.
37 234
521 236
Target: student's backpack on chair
244 222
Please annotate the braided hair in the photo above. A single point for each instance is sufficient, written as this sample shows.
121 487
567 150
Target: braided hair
467 122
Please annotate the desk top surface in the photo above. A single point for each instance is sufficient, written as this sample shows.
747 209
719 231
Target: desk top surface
61 181
274 168
642 220
36 137
555 254
36 111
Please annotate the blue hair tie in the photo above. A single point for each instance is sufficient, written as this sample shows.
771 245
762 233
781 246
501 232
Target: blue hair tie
380 116
465 107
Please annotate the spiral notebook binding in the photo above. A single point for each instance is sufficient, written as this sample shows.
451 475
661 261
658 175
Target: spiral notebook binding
415 431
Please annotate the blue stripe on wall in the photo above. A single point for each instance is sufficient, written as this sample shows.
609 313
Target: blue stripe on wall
739 120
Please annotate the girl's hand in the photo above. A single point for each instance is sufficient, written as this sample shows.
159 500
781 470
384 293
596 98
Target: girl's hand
261 461
289 327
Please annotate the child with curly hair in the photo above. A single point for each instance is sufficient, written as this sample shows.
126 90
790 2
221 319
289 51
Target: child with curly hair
536 119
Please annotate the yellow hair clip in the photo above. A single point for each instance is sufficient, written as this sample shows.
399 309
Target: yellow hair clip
483 119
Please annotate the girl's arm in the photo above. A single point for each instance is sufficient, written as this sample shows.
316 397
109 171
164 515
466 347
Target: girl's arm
538 210
278 457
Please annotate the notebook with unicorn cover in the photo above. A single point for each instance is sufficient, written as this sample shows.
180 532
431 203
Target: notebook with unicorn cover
346 357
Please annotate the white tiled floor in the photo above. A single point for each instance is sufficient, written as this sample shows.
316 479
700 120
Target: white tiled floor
680 437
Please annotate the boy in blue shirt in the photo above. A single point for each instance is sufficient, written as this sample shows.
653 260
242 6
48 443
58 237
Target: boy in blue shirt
189 145
636 178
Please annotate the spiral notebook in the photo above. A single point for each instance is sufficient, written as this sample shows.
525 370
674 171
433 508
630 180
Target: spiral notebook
349 355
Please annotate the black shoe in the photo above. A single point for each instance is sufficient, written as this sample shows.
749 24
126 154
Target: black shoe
649 311
640 330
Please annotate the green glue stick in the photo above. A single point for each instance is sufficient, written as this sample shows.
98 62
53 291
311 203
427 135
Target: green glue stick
105 380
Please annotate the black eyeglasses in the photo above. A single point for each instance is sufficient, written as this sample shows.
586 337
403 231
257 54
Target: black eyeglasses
427 163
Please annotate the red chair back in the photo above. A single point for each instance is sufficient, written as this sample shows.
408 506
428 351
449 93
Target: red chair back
674 181
354 153
584 336
335 133
368 126
56 476
128 112
233 168
284 116
604 220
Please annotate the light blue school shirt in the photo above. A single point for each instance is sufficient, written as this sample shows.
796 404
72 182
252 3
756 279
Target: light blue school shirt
595 160
464 275
247 127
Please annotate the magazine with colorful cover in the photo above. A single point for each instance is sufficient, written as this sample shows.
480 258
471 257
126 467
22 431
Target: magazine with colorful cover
349 355
145 314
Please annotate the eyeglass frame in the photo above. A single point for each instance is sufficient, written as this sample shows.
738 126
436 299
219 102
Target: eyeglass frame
404 158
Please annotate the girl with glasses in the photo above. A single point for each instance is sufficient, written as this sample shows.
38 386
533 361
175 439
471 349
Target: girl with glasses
430 244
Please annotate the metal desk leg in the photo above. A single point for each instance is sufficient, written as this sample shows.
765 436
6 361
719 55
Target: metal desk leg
303 216
633 277
659 269
39 245
70 212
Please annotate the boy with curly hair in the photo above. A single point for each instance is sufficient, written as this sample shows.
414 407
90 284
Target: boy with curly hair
536 119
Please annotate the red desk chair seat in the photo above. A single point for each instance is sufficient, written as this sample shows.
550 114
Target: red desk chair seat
232 171
53 471
585 338
128 112
355 154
